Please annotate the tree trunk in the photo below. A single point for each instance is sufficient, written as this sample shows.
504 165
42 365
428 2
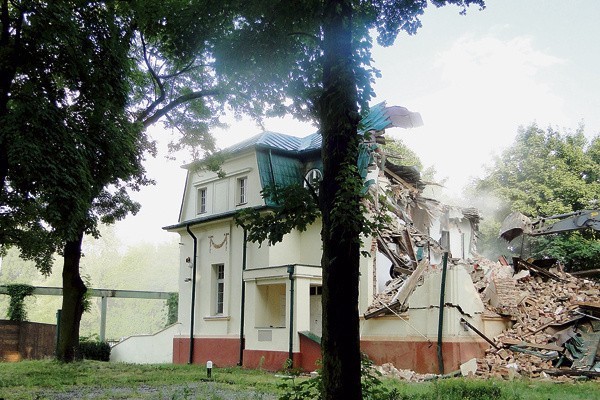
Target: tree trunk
72 305
340 208
9 48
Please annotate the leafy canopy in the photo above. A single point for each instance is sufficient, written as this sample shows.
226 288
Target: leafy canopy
69 148
545 173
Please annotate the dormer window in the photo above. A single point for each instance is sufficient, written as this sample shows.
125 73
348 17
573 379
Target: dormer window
242 188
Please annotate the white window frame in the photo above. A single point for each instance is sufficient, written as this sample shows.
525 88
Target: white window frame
242 190
219 273
201 200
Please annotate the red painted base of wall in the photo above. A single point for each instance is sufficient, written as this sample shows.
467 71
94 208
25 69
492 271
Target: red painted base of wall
268 360
422 356
310 353
414 355
223 352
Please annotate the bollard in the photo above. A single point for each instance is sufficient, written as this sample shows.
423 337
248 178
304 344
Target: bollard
209 368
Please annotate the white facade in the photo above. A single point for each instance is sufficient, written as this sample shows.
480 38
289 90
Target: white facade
254 305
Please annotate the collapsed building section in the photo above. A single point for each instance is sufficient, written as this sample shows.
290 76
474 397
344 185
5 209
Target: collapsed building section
408 269
528 319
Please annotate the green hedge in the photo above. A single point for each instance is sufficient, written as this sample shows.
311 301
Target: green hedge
94 350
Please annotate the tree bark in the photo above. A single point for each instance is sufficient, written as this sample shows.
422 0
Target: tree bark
340 208
72 304
9 46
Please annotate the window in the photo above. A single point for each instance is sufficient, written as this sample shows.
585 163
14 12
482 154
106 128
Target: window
201 201
219 270
243 190
313 179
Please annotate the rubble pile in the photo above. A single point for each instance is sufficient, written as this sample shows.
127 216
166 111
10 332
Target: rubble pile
386 298
389 370
553 319
555 323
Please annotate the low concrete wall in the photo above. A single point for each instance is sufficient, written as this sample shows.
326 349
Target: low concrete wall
26 340
147 349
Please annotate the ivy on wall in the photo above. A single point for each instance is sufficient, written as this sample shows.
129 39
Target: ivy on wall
172 308
16 308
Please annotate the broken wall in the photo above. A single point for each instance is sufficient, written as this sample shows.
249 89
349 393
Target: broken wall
412 331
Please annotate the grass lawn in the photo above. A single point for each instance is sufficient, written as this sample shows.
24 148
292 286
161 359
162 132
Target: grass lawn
99 380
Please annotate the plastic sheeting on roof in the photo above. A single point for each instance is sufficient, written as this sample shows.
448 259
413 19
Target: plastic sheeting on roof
381 117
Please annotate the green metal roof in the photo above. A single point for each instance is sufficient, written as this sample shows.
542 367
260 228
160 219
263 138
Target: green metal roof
375 120
281 170
280 142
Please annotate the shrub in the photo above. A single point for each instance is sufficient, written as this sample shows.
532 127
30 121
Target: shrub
93 349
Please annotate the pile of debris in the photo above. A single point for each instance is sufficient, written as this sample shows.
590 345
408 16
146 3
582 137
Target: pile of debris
390 371
555 321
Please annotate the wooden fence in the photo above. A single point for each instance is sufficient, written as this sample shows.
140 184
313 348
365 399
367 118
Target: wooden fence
26 340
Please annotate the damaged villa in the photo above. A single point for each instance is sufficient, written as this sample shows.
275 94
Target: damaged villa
429 303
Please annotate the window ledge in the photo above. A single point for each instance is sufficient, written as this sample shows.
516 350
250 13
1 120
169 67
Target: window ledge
217 318
269 327
241 204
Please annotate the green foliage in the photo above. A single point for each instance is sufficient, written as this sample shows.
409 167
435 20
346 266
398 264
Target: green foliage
397 149
91 348
211 163
576 250
68 145
466 390
109 265
544 173
16 308
87 298
296 209
295 388
372 386
172 308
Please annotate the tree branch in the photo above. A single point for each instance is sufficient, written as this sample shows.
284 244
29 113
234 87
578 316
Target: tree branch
185 69
175 103
144 113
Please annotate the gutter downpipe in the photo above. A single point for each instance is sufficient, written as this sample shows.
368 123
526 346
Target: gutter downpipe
193 306
441 315
243 305
290 271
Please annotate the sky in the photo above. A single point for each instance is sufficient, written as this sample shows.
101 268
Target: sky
474 79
